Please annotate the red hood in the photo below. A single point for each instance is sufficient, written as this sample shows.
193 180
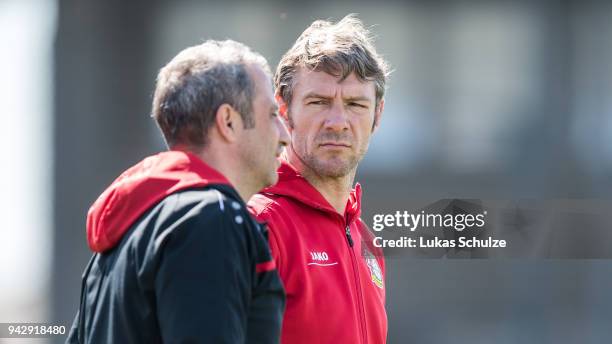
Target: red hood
292 184
140 187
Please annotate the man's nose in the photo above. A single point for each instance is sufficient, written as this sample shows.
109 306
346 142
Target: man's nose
336 118
283 135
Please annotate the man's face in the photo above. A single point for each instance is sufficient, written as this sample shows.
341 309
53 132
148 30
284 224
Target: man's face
330 123
262 145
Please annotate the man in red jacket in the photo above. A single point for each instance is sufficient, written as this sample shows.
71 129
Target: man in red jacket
330 88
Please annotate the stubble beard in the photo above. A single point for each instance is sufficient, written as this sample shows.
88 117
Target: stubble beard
330 168
335 167
261 176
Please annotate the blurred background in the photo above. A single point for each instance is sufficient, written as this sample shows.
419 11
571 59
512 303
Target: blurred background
501 100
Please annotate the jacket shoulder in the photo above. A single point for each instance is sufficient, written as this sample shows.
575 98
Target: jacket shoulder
200 205
191 214
260 203
274 210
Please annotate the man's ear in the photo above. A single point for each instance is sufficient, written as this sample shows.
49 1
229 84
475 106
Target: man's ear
283 111
378 115
228 123
282 107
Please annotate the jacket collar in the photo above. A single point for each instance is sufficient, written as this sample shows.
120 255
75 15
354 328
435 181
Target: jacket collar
293 185
139 188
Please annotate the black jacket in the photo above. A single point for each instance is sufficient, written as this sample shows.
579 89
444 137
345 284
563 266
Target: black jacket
195 268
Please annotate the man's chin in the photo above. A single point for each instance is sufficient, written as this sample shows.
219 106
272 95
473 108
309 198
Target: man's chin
332 169
330 165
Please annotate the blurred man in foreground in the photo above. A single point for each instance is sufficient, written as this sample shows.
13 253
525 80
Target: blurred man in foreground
330 88
177 256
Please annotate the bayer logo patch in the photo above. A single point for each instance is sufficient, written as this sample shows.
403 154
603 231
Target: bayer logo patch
375 272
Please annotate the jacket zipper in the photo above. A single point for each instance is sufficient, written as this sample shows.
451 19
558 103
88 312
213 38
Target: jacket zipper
347 230
348 236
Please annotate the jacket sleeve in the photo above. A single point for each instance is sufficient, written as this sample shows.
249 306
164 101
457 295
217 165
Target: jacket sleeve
274 241
204 276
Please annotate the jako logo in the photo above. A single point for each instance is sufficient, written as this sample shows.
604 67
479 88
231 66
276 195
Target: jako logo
319 256
320 259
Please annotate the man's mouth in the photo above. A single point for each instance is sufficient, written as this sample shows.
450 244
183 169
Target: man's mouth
335 145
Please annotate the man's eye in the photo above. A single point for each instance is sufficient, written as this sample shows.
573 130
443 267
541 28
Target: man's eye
316 102
356 105
274 114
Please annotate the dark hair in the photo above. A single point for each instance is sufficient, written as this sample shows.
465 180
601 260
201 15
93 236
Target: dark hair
338 49
192 86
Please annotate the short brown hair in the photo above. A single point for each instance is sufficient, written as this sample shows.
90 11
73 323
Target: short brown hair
192 86
338 49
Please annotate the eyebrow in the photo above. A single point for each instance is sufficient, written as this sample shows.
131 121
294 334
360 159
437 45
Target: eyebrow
355 98
359 98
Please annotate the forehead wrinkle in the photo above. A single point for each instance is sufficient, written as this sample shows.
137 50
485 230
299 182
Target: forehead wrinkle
313 94
320 85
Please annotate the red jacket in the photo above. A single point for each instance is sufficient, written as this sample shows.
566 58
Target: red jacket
333 277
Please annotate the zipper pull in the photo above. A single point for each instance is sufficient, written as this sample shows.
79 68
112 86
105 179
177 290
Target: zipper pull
348 236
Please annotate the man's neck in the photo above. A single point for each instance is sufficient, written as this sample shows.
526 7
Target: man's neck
227 168
232 172
335 190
